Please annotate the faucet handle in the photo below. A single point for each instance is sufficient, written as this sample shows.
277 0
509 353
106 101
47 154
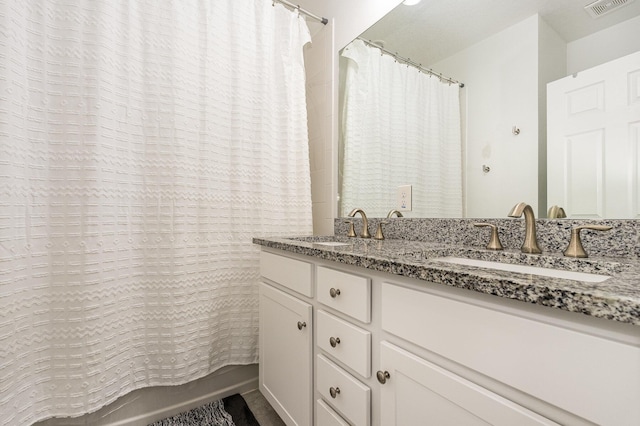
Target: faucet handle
494 241
575 248
379 235
556 212
352 229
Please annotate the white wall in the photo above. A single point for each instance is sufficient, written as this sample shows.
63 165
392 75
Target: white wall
319 65
603 46
552 51
500 75
348 19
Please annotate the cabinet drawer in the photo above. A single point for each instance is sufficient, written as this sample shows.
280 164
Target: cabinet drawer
325 416
347 293
291 273
352 344
587 375
352 398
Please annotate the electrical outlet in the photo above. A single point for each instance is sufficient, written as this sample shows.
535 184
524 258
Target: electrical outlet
404 198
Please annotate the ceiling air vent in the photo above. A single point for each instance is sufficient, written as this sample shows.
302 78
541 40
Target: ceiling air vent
602 7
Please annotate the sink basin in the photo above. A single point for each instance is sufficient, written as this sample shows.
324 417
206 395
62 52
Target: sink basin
326 240
526 269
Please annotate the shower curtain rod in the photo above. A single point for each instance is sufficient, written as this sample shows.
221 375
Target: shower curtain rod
323 20
411 63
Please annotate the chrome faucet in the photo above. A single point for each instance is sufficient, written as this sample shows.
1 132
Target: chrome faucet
365 222
530 244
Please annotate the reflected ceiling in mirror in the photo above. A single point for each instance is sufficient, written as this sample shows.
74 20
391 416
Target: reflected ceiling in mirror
434 30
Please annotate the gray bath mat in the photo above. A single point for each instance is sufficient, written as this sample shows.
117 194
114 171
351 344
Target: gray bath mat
229 411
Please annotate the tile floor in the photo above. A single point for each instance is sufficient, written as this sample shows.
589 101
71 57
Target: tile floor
261 409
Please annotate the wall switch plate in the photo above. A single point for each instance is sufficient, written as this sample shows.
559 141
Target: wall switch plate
404 198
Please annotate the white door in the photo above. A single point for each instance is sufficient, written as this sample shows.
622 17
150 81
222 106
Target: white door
418 392
593 131
285 355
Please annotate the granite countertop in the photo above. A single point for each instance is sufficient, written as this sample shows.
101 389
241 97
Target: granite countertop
617 298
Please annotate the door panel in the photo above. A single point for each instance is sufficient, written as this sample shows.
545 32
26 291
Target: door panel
592 120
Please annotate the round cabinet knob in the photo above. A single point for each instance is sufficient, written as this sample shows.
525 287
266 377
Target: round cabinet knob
334 292
334 341
301 325
382 376
334 392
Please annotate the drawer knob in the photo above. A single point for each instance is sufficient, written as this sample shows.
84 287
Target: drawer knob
334 392
334 292
334 341
382 376
301 325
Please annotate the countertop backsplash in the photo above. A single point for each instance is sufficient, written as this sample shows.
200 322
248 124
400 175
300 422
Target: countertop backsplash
553 234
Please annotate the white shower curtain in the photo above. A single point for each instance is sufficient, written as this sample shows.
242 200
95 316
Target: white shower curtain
400 127
142 145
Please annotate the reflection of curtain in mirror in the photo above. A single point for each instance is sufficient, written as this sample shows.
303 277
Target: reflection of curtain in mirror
400 127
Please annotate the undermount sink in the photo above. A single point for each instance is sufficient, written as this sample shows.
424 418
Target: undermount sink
526 269
331 243
327 240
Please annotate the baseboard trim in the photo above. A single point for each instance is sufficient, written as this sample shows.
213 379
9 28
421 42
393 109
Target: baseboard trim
248 381
147 405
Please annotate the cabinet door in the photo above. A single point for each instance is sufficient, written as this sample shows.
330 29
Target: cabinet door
418 392
285 355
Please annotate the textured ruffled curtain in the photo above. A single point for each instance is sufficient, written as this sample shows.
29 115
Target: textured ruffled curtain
142 145
400 127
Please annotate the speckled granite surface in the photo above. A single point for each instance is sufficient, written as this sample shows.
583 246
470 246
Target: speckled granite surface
617 298
553 234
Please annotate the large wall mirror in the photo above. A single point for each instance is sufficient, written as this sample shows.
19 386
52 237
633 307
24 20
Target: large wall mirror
508 54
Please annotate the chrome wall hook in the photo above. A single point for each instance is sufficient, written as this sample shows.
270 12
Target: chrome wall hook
515 130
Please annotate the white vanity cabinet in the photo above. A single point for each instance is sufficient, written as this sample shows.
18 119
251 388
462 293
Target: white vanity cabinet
412 352
590 369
